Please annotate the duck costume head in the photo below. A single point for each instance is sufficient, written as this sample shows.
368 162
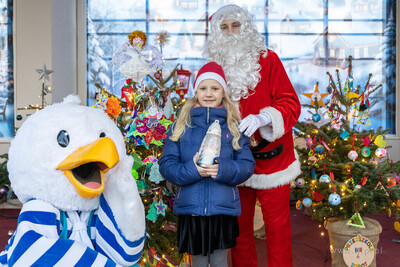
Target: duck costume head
68 166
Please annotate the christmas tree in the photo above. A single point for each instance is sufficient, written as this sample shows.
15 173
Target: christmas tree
346 171
144 114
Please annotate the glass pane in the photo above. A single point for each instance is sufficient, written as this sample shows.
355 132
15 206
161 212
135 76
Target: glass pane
6 70
310 36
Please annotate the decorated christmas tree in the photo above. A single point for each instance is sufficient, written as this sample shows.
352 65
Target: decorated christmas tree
346 170
144 113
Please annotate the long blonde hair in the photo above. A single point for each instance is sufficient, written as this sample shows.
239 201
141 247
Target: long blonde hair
233 118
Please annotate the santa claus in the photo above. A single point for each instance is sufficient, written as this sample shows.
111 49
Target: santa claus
269 107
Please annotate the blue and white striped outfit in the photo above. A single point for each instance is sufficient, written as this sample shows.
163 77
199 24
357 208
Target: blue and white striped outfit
38 240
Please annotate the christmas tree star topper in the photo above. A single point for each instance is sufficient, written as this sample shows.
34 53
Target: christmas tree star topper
44 73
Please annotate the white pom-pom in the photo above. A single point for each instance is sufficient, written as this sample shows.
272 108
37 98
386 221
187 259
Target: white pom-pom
72 100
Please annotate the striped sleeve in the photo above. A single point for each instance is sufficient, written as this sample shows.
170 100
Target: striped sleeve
36 241
111 242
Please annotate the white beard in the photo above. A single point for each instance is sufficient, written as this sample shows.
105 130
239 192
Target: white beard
239 58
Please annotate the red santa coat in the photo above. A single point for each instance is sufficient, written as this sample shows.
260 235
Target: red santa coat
275 95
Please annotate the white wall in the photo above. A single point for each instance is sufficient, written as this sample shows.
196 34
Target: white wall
64 56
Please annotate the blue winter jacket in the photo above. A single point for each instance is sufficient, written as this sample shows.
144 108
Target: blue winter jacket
206 196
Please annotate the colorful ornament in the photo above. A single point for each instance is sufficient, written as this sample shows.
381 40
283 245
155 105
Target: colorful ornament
325 178
317 196
300 182
365 151
366 140
353 155
292 184
336 126
391 182
397 226
379 141
395 177
135 174
313 174
155 175
356 221
334 199
161 207
307 202
345 135
150 159
152 213
142 186
309 142
319 149
316 96
351 95
358 187
157 75
332 176
4 190
137 161
312 160
299 205
128 94
316 117
101 102
364 120
380 153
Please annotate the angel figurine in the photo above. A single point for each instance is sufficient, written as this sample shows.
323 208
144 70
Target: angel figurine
136 59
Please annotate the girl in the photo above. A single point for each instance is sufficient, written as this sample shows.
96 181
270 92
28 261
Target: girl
207 201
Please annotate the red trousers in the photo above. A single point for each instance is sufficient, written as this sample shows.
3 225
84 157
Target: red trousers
276 215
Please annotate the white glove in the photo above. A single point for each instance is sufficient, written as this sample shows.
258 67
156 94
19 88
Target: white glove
251 123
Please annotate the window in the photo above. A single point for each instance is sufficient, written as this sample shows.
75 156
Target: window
332 53
365 52
6 71
300 32
321 52
342 53
357 53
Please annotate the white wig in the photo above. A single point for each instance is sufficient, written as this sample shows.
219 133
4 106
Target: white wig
238 54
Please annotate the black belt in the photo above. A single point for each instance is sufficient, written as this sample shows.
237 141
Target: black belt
267 154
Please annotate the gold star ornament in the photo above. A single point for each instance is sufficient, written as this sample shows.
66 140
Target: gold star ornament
316 96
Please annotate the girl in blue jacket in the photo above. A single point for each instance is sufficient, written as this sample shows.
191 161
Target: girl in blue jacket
207 200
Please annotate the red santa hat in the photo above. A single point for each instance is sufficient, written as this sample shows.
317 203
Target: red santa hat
212 71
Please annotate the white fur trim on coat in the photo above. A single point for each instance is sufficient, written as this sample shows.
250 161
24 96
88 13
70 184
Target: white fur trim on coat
268 181
277 129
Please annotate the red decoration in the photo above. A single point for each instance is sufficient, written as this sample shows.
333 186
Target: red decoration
126 93
317 196
157 75
183 82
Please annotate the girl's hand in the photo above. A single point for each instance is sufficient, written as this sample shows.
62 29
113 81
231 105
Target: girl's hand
202 171
212 170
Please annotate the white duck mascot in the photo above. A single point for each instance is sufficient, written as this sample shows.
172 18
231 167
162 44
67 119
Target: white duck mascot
81 207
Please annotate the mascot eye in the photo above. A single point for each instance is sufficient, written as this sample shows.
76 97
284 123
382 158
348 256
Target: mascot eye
102 134
63 138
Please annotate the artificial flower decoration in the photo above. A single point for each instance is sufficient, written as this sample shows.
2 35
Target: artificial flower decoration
113 107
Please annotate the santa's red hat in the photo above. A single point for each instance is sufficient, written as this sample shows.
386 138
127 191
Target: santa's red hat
212 71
